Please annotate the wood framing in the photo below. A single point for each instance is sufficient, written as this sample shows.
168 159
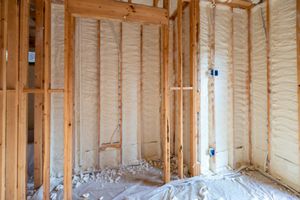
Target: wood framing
236 3
46 98
3 46
211 83
232 79
268 83
174 14
68 102
99 86
99 9
23 74
166 106
180 91
298 72
11 185
38 98
120 89
194 24
249 81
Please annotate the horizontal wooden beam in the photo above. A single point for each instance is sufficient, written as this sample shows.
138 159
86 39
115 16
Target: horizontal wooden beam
183 88
232 3
110 145
41 91
124 11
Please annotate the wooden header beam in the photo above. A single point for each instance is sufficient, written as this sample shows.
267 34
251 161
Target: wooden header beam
108 9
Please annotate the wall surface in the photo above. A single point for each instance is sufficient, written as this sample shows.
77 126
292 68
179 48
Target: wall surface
259 86
117 81
114 58
224 106
57 81
284 142
285 161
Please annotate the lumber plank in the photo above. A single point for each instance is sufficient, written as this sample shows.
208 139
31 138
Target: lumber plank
12 100
268 84
46 98
23 74
120 89
232 80
3 46
249 86
111 9
165 106
41 91
211 83
99 86
38 98
194 24
298 72
68 102
180 91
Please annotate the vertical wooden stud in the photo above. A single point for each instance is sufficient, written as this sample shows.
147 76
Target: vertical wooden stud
194 6
140 113
3 63
165 106
68 102
211 83
120 88
180 92
38 98
23 71
249 85
298 69
99 86
46 127
12 100
233 89
268 83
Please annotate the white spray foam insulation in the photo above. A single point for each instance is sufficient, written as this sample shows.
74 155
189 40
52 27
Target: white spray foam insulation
87 84
284 99
203 82
57 81
109 112
259 86
222 101
186 83
131 59
150 93
240 70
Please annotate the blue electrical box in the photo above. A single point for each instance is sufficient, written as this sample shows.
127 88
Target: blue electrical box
214 72
211 152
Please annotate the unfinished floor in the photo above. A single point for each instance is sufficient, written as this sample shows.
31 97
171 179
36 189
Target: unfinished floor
143 181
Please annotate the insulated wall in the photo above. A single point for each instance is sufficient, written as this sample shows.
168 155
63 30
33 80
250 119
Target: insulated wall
284 137
284 100
259 86
224 98
240 85
116 93
57 81
86 93
203 126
